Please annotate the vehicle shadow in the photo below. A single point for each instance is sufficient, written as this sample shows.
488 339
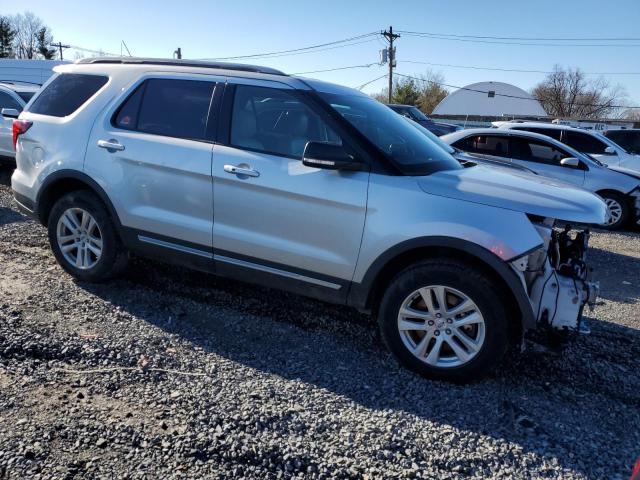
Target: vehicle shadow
618 274
528 402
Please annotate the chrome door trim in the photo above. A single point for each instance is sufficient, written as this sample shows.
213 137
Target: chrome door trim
276 271
175 246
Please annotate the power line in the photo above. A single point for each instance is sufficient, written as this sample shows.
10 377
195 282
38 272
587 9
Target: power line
586 39
99 52
337 68
439 37
511 69
512 96
296 50
60 46
370 81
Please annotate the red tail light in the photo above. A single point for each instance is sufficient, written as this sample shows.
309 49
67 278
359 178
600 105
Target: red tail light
20 127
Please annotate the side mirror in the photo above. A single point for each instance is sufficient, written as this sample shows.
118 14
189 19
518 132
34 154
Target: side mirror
609 151
10 113
570 162
329 156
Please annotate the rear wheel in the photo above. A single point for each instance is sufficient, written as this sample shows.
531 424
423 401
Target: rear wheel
445 320
618 209
83 238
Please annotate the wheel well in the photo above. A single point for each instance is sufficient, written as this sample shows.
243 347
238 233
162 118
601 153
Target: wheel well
605 191
54 192
406 259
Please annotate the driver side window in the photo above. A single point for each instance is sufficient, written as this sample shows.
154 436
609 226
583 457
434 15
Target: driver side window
536 151
275 121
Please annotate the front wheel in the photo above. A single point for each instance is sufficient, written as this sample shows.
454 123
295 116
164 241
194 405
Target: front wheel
618 209
83 238
445 320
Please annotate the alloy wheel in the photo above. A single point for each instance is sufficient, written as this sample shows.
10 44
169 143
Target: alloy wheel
615 211
441 326
79 238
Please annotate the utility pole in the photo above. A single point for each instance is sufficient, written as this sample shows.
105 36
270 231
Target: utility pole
178 53
60 46
391 57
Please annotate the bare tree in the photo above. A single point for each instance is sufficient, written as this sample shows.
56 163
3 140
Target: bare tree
568 93
32 37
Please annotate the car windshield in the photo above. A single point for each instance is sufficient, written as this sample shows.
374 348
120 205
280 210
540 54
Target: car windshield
417 114
411 151
431 136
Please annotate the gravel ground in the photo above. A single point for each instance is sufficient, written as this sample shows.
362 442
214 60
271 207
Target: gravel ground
185 375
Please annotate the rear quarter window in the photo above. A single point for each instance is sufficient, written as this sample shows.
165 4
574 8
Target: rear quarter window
67 93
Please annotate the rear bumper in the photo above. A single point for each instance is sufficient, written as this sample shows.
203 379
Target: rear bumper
25 205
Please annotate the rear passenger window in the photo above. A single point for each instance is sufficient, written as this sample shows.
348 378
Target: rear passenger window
484 144
583 142
66 94
274 121
172 108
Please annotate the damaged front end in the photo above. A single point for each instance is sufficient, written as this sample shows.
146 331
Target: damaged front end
557 279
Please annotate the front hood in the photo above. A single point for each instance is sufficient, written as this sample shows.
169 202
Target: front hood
517 191
626 171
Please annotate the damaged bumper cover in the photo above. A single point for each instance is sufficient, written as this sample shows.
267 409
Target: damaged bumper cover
557 278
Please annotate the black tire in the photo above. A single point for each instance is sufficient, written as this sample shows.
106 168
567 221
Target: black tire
625 210
478 287
114 257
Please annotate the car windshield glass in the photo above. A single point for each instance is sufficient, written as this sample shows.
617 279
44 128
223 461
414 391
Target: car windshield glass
417 113
432 136
411 151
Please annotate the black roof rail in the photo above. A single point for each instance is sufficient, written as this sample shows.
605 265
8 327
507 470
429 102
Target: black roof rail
181 63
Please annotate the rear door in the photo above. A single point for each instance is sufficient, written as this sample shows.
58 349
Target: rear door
277 217
544 159
7 100
152 154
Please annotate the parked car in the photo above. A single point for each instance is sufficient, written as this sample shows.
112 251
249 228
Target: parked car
553 159
592 143
305 186
627 139
13 97
467 159
415 114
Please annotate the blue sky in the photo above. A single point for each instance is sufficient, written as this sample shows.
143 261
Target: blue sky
206 29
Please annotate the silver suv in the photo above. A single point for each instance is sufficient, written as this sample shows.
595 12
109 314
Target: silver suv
306 186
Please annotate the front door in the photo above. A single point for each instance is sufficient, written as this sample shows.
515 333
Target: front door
544 159
153 157
272 214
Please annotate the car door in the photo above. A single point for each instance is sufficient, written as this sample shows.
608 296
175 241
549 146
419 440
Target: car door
7 100
152 155
275 218
544 159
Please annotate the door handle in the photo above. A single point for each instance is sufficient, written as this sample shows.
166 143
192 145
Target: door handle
241 170
111 145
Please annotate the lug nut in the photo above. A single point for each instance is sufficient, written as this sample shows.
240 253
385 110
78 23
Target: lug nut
436 333
431 323
448 332
449 320
438 315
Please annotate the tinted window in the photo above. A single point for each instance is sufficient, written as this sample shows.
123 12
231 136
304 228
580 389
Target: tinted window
535 151
275 121
627 139
583 142
411 151
66 93
549 132
26 96
172 108
7 101
485 144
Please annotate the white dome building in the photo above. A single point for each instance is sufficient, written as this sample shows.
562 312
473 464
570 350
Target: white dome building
490 99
